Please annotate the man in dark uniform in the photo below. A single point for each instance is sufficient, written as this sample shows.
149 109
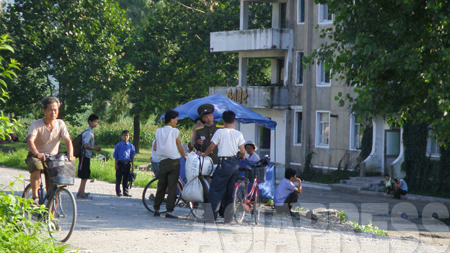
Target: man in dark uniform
204 134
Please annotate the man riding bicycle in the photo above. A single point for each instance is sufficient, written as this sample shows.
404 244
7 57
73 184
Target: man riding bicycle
44 138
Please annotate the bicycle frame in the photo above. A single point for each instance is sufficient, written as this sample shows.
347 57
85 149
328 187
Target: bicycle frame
249 195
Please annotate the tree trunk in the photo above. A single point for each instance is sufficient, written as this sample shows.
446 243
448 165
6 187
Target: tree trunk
137 133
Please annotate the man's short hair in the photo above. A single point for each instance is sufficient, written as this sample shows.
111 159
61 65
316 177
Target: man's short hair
289 172
49 100
125 132
171 114
197 119
92 117
228 116
386 175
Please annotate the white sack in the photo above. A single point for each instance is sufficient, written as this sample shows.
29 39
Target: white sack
193 191
192 166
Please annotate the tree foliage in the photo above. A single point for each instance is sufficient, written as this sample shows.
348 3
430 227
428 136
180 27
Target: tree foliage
6 72
78 43
396 55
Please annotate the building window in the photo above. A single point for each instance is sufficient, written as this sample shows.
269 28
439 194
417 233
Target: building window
283 15
300 11
299 77
323 129
298 128
325 16
356 132
432 144
323 77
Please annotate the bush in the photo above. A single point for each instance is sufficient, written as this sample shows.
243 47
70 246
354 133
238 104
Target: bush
19 234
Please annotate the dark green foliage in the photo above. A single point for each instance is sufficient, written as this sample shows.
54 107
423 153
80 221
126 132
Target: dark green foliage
396 55
70 48
366 142
424 175
415 145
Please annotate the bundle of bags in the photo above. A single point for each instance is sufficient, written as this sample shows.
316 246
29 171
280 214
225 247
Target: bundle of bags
196 168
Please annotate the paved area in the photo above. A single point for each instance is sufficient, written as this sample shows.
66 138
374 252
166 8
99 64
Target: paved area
111 224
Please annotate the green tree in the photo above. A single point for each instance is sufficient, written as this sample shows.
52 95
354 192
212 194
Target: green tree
77 44
173 59
396 55
6 125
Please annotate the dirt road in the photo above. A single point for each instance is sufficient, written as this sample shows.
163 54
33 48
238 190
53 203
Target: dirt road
112 224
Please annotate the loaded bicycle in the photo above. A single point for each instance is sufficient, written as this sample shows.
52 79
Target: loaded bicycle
60 204
148 195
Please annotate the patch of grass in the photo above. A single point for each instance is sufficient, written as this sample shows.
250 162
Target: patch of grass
342 216
14 159
369 228
105 171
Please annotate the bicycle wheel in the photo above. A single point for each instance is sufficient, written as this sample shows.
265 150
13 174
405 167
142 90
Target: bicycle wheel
240 195
62 214
256 205
148 196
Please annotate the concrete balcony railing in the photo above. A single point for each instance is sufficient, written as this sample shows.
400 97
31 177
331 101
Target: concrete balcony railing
249 40
256 96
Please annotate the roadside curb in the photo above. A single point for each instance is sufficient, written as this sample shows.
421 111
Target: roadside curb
380 194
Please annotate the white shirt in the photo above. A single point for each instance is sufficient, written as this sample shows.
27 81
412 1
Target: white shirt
155 157
253 158
228 141
166 143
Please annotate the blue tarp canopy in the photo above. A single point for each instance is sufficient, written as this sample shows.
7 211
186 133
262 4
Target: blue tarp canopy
221 104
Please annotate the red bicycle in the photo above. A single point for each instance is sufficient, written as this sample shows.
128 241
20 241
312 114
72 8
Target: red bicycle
249 201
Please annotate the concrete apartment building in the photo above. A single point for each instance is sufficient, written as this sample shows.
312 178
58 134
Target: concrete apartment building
300 100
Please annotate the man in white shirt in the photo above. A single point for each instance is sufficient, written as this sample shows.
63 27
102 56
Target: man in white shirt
229 141
167 142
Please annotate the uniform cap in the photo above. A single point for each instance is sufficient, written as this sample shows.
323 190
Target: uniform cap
205 109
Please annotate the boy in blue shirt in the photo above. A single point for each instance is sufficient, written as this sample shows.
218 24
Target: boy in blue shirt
124 157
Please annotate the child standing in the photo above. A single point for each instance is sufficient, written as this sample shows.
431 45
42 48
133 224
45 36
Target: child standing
87 143
124 157
229 141
286 194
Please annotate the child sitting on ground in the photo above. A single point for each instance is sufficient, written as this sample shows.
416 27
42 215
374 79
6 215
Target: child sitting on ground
286 194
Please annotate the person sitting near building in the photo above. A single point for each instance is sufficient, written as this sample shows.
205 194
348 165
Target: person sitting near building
198 123
388 184
286 194
250 148
400 188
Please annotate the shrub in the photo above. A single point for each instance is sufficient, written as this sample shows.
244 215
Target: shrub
19 234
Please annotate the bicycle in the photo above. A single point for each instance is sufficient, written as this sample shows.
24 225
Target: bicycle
149 193
249 201
61 206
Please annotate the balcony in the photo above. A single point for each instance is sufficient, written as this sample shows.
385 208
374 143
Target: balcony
256 96
251 40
